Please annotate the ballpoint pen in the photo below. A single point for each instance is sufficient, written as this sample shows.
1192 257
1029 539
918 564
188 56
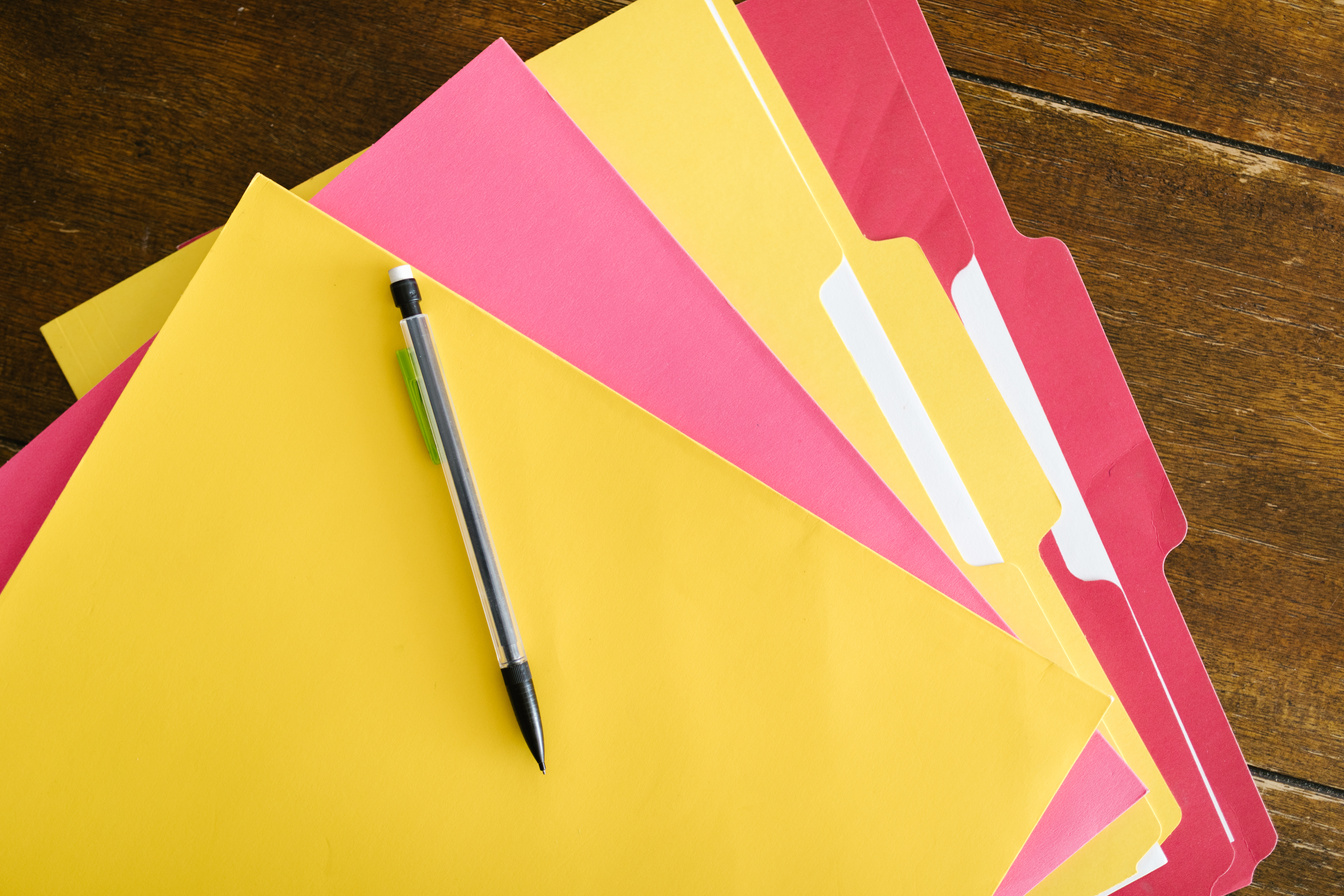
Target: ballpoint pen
467 504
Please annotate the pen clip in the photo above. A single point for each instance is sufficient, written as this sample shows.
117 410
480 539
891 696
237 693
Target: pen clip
407 365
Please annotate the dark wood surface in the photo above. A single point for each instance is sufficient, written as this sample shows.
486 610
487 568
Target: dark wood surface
1188 152
1265 72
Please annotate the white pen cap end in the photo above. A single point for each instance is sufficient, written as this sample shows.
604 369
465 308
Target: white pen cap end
401 272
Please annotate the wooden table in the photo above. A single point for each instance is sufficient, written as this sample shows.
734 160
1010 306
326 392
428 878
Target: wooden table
1190 153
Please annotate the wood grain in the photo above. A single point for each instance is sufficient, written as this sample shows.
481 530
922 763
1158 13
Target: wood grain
1309 860
1265 72
128 128
1215 273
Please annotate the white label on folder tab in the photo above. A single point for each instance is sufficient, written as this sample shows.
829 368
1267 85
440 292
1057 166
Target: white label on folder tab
1076 534
1079 541
862 333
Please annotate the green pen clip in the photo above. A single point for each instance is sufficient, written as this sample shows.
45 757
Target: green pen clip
407 366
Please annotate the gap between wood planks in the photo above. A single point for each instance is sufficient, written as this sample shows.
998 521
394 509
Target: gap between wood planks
1265 774
9 448
1156 123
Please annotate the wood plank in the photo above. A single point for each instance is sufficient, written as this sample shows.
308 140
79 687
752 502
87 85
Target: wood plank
1266 73
1309 860
123 134
1216 275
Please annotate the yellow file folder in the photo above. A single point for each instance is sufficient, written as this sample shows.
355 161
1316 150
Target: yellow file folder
245 653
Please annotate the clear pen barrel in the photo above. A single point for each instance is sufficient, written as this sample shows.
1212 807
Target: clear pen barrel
466 502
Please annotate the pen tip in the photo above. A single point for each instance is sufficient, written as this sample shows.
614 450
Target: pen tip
543 767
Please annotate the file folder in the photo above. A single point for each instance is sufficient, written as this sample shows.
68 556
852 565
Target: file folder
268 671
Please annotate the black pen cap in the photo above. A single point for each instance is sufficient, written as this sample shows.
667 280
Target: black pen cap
405 291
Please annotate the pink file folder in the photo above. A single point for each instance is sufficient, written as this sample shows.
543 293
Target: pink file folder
490 188
870 87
